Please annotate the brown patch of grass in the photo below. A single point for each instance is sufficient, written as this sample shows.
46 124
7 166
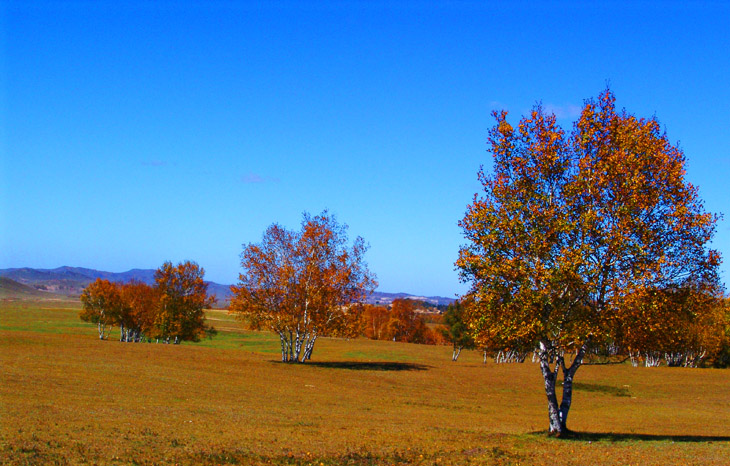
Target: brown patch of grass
66 397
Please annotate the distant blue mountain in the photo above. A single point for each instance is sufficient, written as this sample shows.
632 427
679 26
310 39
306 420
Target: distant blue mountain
29 275
72 280
379 297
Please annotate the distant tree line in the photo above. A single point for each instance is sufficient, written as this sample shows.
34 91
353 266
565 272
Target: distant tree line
171 311
678 328
401 321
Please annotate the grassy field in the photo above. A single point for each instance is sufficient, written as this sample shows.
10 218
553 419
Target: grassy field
68 398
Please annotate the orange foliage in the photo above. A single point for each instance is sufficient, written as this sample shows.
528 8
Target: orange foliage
683 325
399 323
102 305
172 310
404 324
570 227
183 298
141 304
375 322
303 285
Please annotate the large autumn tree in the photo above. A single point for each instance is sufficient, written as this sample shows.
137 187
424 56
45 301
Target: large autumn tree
303 284
571 228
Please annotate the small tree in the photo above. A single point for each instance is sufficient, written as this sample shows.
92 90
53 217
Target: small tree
722 356
571 228
374 322
141 303
455 329
682 325
183 298
404 324
302 285
102 305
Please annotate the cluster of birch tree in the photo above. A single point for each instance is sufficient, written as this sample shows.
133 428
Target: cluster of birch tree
683 329
171 311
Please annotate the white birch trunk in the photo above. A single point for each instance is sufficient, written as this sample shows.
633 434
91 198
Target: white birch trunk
309 347
652 359
550 378
558 415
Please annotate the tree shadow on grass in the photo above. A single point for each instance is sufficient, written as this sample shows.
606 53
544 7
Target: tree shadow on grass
628 437
598 388
366 366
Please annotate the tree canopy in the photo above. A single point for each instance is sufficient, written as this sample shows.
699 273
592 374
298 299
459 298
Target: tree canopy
404 324
455 329
572 229
404 321
183 299
303 284
102 305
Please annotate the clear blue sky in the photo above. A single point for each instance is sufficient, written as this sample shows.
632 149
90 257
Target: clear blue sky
137 132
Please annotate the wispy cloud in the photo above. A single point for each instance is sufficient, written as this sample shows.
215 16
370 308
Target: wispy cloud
154 163
255 178
497 105
567 111
563 111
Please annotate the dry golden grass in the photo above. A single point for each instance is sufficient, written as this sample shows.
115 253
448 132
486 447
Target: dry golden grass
68 398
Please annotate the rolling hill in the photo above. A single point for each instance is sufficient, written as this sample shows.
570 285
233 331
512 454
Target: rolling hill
10 289
70 281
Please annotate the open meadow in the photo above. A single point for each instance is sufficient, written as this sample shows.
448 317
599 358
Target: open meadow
68 398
